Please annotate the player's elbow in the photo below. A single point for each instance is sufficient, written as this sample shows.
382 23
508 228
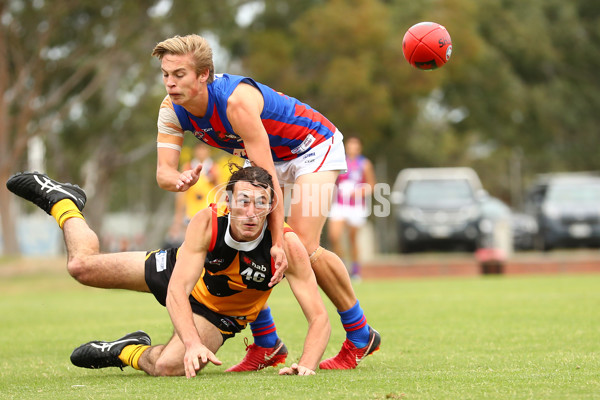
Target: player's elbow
83 271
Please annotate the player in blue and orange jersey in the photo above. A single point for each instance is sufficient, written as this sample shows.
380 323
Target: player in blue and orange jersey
213 285
295 143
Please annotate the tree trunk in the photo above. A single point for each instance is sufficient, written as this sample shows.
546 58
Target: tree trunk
9 231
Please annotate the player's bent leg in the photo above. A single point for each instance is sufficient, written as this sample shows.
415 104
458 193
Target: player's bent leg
332 276
44 192
329 269
110 271
169 362
166 360
335 230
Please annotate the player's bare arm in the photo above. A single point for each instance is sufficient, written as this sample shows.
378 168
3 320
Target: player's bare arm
186 88
304 286
188 268
167 174
244 107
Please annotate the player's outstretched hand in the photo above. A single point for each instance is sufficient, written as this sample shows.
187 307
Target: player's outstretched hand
296 369
194 356
188 178
281 264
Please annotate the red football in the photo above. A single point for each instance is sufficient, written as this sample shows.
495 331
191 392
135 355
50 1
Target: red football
427 45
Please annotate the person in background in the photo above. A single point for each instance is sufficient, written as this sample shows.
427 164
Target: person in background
198 196
349 209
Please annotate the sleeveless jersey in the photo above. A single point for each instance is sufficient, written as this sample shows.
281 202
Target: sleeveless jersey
349 180
235 282
293 127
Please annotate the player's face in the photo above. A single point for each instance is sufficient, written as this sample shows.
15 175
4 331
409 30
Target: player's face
183 85
353 147
249 208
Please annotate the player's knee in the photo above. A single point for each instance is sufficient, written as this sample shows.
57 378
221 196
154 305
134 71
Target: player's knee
164 367
309 243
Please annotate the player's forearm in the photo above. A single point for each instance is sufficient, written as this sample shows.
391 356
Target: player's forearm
276 219
316 341
180 311
167 178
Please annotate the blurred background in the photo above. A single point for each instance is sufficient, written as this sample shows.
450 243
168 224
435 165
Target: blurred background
517 104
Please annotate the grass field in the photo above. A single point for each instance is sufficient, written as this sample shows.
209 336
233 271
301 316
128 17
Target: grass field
476 338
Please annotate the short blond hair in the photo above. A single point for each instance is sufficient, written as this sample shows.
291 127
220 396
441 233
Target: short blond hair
195 45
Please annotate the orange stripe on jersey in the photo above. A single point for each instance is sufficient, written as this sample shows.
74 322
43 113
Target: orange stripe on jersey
170 139
166 103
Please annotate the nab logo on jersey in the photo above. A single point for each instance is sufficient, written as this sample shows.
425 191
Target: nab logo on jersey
252 271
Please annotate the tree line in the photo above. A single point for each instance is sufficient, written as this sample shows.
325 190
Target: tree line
521 88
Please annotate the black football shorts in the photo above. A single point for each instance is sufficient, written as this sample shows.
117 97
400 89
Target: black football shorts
158 269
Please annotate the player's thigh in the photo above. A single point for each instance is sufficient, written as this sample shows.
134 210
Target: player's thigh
311 200
114 270
209 334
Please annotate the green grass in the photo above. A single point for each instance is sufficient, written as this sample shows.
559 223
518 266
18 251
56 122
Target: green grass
477 338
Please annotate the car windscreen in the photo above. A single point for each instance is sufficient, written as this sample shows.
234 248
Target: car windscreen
575 192
433 193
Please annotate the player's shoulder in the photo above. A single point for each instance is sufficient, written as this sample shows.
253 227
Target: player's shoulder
167 103
202 219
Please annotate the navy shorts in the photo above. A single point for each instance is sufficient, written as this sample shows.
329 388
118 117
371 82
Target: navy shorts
158 269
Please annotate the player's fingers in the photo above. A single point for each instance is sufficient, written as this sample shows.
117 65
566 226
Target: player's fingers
276 278
204 358
305 371
190 372
197 169
286 371
213 359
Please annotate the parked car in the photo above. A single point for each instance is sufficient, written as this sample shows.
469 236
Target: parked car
504 228
524 230
566 208
437 207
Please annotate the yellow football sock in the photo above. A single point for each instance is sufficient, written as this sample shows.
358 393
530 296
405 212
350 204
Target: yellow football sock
65 209
130 355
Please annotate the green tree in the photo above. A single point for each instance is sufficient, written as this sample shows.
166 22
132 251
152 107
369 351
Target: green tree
79 75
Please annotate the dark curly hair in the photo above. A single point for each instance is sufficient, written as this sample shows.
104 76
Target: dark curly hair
254 175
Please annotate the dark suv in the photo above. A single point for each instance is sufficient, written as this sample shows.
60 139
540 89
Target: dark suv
567 210
437 207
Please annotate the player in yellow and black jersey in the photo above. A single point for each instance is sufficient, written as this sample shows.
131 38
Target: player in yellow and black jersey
212 286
